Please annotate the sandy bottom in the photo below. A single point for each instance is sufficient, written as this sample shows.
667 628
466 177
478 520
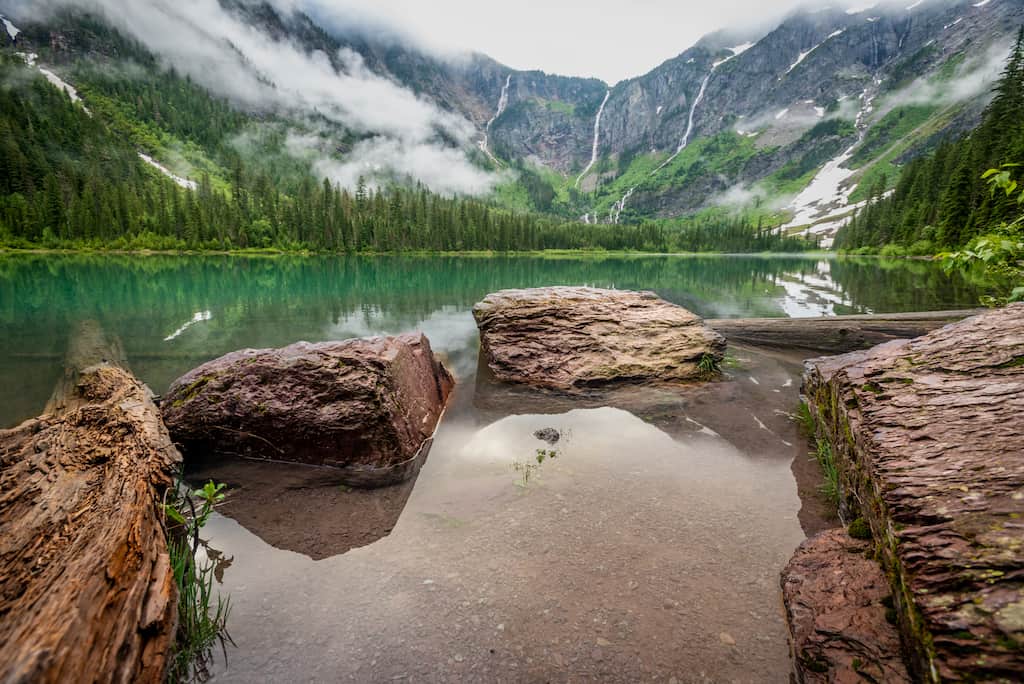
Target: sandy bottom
646 547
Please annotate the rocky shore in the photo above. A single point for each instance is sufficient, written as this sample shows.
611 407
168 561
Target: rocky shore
928 440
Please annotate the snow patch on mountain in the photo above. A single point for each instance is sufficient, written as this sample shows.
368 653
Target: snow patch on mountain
804 55
31 59
12 30
740 49
830 188
183 182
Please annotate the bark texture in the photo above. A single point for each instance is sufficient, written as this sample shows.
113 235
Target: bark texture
571 338
928 436
836 609
86 589
366 407
834 334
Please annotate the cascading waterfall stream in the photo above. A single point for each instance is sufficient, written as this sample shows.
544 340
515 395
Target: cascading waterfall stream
618 207
689 123
502 105
597 138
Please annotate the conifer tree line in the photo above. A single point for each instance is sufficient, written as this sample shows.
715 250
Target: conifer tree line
941 201
68 179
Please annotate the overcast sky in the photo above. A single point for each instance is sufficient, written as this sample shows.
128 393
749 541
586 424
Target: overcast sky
609 39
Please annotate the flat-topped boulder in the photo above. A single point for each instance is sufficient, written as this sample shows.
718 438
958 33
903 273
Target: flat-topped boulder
928 437
837 600
367 407
569 338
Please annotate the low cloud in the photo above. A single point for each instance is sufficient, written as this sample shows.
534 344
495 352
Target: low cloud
975 77
741 196
405 133
381 158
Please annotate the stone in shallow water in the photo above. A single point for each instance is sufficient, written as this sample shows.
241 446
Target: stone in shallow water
549 435
836 609
367 407
571 338
928 436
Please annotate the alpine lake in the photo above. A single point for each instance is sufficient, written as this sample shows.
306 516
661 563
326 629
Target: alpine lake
645 546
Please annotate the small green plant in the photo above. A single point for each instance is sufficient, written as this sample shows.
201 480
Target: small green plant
805 419
529 468
544 454
1001 249
525 470
708 366
830 487
859 529
202 616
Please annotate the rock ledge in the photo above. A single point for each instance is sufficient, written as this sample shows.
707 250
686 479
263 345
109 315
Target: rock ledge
928 438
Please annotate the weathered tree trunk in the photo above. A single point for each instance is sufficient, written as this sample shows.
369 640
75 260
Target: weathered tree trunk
834 334
86 588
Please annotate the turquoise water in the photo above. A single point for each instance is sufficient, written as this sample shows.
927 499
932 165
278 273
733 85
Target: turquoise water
174 312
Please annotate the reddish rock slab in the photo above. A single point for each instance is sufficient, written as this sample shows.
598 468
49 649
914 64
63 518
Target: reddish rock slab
570 338
928 436
367 407
836 600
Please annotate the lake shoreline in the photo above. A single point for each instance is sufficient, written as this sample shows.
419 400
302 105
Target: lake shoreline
550 253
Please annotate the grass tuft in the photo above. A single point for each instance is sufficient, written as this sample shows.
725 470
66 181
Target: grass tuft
202 612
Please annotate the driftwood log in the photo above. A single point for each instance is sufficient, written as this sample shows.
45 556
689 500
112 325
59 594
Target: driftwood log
86 589
835 334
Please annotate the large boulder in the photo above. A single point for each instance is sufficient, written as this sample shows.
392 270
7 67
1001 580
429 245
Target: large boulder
367 407
569 338
837 600
928 439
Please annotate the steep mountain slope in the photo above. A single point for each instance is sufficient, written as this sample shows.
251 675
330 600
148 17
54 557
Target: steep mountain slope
801 120
795 124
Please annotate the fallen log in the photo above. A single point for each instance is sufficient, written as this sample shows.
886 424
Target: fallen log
86 588
835 334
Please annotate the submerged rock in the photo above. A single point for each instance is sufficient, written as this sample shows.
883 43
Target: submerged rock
367 407
836 602
549 435
575 337
928 438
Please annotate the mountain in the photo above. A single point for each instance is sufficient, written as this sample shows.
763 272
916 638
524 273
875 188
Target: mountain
736 119
793 125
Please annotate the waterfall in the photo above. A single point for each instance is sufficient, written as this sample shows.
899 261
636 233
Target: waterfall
502 105
597 138
689 123
617 208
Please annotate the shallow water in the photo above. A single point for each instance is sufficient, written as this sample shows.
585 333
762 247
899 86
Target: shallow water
648 548
631 555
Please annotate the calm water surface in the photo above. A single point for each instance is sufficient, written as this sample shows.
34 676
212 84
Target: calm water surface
648 549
